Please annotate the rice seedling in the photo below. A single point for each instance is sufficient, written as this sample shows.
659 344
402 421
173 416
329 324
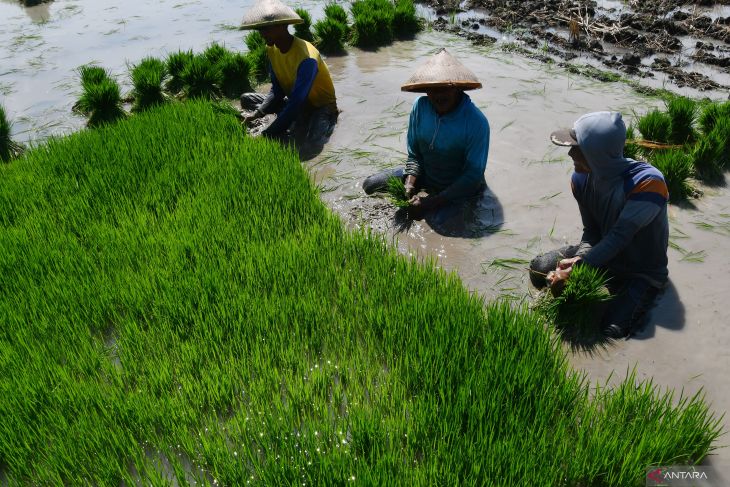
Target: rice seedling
235 71
201 79
682 112
711 113
304 29
720 134
102 102
336 12
676 167
705 157
147 79
90 75
397 192
215 53
176 64
373 25
575 312
405 21
331 36
256 339
632 150
655 126
8 149
258 60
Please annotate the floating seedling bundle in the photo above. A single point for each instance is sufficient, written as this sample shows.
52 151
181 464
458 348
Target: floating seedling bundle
304 29
147 78
257 57
8 149
332 31
101 98
691 139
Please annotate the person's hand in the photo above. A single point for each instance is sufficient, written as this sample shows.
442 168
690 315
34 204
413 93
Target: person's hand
410 185
251 117
410 190
568 263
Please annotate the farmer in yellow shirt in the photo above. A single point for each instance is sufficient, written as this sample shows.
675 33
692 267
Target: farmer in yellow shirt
302 94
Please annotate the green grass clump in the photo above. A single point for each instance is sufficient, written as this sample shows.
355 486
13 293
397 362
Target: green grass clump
682 112
215 53
336 12
405 21
655 126
102 102
201 79
176 64
304 29
721 135
705 156
235 71
397 192
677 168
257 57
147 78
90 76
632 150
8 149
373 25
575 313
711 113
174 302
331 36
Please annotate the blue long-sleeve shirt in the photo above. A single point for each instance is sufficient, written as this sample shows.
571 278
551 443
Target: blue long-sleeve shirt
448 153
306 73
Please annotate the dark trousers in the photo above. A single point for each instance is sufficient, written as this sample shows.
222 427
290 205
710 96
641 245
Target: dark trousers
632 297
312 126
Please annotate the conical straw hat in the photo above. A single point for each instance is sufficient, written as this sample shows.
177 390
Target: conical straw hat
442 70
269 12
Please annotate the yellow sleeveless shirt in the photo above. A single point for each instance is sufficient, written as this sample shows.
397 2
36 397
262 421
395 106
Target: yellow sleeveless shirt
285 67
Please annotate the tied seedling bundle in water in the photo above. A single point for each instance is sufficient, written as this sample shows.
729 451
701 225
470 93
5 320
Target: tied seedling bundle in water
576 311
397 192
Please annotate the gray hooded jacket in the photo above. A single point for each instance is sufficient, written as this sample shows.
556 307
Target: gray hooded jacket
623 204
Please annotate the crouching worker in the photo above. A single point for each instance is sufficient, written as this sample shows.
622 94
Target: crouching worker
302 94
448 138
623 205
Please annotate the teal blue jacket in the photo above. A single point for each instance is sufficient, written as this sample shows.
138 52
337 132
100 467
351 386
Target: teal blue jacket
448 154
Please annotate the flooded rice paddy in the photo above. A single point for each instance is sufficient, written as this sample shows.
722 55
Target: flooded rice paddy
687 342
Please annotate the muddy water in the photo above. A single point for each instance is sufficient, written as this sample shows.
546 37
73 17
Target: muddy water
531 210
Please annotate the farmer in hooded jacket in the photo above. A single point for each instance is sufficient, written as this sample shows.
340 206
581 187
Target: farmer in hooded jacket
623 205
448 138
302 94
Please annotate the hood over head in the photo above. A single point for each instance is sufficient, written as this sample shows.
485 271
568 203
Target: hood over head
601 136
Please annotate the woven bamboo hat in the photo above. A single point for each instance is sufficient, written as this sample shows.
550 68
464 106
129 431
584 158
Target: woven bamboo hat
442 70
266 13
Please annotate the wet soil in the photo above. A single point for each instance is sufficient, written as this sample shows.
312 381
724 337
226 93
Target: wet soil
690 40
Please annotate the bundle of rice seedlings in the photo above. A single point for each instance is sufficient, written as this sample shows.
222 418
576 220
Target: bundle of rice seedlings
201 79
90 75
147 78
235 71
176 63
405 21
721 135
304 30
373 24
336 12
331 36
397 192
576 312
215 53
676 167
655 126
683 113
104 102
705 157
711 113
258 60
8 149
631 149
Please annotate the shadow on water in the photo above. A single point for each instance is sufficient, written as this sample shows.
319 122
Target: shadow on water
471 218
667 312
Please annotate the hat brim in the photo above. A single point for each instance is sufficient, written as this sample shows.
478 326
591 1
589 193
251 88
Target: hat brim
564 137
424 87
270 23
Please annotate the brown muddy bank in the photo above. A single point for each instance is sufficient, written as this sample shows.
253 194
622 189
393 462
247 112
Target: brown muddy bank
686 42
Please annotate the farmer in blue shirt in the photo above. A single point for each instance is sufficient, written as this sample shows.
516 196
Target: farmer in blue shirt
448 138
623 206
